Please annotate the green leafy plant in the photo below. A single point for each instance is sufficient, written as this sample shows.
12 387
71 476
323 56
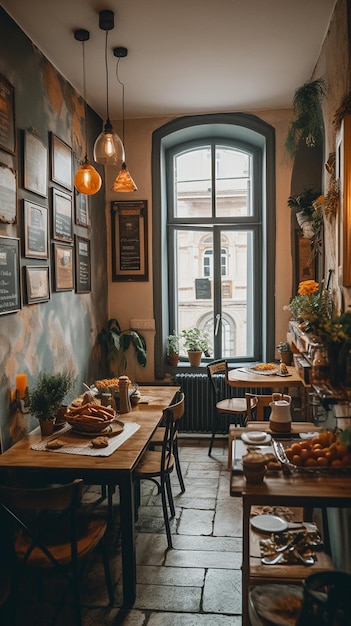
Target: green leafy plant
304 202
284 346
48 394
117 341
196 341
307 124
172 344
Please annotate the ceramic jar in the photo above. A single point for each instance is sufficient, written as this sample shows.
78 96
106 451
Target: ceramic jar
280 417
254 467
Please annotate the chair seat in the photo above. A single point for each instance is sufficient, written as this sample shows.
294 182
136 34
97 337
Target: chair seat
232 405
149 464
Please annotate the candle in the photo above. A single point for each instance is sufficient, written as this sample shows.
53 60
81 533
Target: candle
21 384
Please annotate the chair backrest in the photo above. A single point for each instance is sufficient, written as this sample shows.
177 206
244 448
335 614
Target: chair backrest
255 405
171 416
21 507
215 370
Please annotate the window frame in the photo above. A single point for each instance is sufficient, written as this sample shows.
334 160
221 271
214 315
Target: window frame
248 130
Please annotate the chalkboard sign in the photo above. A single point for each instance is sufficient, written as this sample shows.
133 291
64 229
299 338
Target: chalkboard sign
129 240
202 288
10 298
83 265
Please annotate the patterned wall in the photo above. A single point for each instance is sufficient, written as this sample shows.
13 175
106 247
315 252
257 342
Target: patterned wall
59 333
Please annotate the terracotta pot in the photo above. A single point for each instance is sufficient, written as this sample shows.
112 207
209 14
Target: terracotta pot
195 357
46 427
173 359
286 357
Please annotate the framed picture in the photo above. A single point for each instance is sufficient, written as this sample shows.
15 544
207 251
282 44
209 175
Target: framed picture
82 209
38 284
63 267
35 164
8 194
129 240
10 291
83 265
7 116
62 215
35 222
61 162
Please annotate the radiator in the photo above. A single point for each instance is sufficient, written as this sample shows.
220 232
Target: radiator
199 401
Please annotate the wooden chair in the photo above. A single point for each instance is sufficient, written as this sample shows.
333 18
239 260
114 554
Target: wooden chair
233 407
158 437
158 465
47 533
255 405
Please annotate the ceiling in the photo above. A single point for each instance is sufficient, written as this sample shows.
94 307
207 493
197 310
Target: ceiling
184 57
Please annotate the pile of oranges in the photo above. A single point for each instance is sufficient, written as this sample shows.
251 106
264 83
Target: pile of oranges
324 450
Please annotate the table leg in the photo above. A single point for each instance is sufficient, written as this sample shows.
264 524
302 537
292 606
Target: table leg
128 541
245 571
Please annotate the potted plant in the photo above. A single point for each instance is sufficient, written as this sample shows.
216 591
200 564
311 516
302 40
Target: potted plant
116 342
285 352
172 348
309 206
195 343
46 397
307 125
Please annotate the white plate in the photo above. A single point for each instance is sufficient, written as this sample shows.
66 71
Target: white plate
254 440
267 372
269 523
308 435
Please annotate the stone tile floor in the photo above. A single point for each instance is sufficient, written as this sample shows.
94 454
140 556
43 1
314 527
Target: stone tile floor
198 582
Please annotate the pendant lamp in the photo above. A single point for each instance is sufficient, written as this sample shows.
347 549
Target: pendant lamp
124 181
108 147
86 180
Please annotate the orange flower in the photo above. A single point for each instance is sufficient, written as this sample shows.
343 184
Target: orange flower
307 286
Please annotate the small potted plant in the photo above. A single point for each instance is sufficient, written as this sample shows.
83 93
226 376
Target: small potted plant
285 352
116 342
172 349
195 343
45 399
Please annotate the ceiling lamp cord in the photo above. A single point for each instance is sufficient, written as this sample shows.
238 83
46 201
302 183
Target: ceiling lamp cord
86 180
108 147
124 181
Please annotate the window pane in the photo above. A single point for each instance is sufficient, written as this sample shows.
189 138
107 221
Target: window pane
192 183
237 294
193 285
233 183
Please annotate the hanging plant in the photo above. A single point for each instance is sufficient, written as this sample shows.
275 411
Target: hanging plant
308 123
344 109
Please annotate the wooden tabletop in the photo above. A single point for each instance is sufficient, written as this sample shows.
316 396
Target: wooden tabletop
238 377
21 457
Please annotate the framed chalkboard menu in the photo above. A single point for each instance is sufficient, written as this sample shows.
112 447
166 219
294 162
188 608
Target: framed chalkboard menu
83 265
10 292
129 240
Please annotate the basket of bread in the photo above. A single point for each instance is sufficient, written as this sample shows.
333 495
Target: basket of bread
90 417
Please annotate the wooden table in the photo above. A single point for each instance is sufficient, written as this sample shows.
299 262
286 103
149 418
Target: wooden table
295 490
116 469
238 377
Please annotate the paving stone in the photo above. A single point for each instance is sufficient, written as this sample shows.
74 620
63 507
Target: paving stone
183 619
222 591
204 558
217 544
195 522
228 518
166 598
190 577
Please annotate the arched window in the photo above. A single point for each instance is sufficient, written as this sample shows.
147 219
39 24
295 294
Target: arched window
213 217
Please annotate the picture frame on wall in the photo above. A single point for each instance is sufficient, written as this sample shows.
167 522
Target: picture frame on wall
63 267
7 116
35 170
61 162
82 209
62 222
129 241
35 225
10 293
8 195
82 265
37 283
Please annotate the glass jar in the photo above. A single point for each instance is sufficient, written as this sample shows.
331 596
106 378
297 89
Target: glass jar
320 366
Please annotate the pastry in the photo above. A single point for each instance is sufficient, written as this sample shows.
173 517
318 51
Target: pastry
55 444
100 442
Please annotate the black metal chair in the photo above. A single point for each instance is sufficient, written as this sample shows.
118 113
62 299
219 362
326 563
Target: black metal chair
46 533
223 407
158 465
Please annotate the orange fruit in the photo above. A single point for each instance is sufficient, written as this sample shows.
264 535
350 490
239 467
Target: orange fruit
346 460
322 461
305 454
311 462
323 439
289 453
296 449
296 459
341 450
305 445
336 463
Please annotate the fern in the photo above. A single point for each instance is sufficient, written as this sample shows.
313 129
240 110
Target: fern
308 125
